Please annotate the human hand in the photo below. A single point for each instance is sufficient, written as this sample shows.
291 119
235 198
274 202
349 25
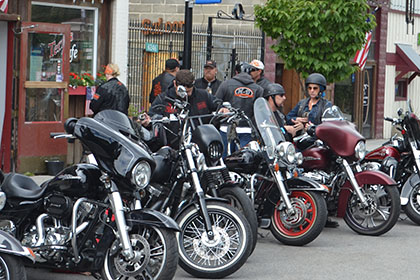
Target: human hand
300 119
144 119
223 110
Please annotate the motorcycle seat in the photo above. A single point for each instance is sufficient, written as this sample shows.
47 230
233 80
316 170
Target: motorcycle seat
20 186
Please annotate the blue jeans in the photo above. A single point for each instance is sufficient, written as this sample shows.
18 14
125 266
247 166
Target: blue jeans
244 138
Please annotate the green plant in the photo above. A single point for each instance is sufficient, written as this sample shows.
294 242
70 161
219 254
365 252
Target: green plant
316 35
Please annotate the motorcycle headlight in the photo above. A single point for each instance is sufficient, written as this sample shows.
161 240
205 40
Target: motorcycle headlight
287 151
141 173
215 150
360 150
2 200
299 158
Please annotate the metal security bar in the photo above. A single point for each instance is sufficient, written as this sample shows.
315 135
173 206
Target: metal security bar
149 48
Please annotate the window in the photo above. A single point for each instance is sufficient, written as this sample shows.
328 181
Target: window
83 21
401 89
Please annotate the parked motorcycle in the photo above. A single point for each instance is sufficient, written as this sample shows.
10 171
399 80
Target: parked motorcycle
215 238
368 200
82 219
292 207
399 158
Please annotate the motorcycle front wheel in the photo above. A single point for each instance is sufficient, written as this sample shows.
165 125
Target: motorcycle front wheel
11 268
218 257
412 209
381 213
157 256
305 224
241 201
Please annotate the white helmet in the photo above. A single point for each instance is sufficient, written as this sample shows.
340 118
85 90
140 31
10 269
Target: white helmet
257 64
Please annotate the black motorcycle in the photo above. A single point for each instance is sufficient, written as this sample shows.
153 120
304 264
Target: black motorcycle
215 238
83 220
292 207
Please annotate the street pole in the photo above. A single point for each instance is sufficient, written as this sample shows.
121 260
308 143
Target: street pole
186 57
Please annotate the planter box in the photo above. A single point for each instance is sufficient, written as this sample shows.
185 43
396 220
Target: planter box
80 90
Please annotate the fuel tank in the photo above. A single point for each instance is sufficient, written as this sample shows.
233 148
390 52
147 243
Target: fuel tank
79 180
244 161
383 152
315 158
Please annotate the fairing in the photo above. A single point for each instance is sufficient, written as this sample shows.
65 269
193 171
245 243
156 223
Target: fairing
340 136
114 152
382 152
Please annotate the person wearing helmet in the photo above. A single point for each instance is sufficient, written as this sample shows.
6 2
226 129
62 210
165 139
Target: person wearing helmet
276 95
257 74
241 92
309 111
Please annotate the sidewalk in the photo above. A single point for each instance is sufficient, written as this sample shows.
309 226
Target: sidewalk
370 145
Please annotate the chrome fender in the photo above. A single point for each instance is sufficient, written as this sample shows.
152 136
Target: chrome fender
370 177
412 181
10 245
153 218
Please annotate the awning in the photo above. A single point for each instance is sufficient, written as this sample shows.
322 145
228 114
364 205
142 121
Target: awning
410 61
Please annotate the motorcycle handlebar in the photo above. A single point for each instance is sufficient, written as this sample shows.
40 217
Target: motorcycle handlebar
389 119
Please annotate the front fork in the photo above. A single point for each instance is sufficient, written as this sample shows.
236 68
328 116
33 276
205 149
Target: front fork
118 210
200 193
353 182
278 178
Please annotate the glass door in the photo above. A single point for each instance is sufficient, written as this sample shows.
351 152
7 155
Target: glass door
43 97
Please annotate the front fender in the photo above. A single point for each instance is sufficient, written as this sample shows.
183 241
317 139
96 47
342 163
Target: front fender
219 199
10 245
153 218
368 177
304 184
412 181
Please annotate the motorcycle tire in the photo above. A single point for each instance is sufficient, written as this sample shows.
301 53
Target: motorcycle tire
159 256
240 200
412 209
306 224
11 268
369 221
232 237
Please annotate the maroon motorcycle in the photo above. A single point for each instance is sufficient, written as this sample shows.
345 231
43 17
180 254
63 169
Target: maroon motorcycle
400 158
368 200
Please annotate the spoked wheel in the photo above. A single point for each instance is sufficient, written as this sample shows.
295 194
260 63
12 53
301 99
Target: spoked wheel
156 256
240 200
11 268
305 224
379 215
412 209
221 256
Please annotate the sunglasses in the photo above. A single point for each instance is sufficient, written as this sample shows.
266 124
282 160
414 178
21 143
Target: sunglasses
187 86
254 69
313 88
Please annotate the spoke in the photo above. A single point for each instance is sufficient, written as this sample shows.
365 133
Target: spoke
384 212
368 221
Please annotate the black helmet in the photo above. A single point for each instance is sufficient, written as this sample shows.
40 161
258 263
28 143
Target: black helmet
274 89
318 79
243 67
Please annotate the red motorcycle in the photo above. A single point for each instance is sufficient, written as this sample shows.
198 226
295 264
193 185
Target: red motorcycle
368 200
400 159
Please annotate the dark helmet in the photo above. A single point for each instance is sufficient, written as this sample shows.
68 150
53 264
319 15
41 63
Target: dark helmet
318 79
274 89
243 67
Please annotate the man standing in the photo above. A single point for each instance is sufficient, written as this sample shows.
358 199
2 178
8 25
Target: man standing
112 94
163 81
241 91
209 82
257 74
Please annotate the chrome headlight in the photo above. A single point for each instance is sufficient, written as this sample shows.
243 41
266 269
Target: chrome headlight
360 150
141 173
287 151
215 150
299 158
2 200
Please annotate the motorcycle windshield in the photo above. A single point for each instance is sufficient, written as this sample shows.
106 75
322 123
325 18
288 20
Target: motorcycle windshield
332 114
267 125
113 151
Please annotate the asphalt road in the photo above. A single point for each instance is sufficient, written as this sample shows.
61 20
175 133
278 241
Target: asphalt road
336 254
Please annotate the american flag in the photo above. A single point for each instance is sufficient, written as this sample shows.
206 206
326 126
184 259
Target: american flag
361 55
3 5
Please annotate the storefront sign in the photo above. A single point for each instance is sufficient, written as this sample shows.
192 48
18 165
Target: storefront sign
55 47
157 28
152 47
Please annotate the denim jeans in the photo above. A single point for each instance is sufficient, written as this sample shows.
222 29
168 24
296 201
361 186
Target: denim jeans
244 138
